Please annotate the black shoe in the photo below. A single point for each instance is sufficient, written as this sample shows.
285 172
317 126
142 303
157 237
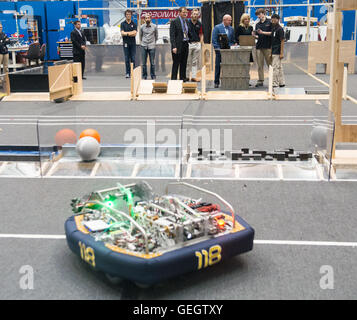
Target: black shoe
153 78
216 85
84 78
186 80
259 84
282 85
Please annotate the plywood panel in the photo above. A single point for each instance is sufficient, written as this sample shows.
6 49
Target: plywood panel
346 133
60 81
174 87
346 5
146 87
169 97
136 79
208 57
27 96
203 82
301 97
103 96
160 87
7 84
77 78
320 52
237 95
189 87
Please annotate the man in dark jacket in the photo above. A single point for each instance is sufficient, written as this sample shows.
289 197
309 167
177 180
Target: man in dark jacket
179 37
4 52
79 45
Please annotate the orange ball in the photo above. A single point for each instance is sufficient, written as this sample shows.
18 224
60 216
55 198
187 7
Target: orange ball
65 136
90 133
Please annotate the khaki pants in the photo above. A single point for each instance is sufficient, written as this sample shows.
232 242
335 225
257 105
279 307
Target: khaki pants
263 54
278 72
4 60
194 51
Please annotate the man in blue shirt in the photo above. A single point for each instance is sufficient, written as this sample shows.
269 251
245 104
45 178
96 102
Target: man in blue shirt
222 28
128 32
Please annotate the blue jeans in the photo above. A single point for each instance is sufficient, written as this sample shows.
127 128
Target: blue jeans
144 56
129 53
217 72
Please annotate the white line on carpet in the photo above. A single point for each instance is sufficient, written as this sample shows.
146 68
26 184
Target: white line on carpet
266 242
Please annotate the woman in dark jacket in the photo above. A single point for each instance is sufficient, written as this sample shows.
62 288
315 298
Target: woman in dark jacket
4 52
244 29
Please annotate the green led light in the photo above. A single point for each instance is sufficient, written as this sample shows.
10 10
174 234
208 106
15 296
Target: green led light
128 197
110 203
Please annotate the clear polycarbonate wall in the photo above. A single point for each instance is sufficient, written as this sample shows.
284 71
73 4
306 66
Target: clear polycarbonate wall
19 147
130 147
248 147
195 145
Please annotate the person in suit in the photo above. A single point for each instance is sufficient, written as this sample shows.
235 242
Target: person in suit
179 37
79 45
222 28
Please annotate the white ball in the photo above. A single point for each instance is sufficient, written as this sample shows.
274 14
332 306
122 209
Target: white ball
319 136
88 148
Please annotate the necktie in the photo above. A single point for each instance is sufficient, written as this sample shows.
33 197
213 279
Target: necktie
184 28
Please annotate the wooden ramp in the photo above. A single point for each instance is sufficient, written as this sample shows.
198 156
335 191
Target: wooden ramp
168 97
103 96
151 91
27 96
301 97
85 96
345 159
236 95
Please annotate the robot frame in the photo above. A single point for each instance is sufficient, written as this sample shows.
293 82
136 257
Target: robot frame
130 232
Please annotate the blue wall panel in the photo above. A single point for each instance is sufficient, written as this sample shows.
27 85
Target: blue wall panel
58 10
7 6
8 20
52 38
348 25
37 8
8 23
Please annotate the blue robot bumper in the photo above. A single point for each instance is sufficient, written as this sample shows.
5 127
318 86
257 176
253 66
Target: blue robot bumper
157 238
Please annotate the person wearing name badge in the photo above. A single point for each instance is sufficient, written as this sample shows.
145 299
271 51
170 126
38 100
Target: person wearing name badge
263 34
128 32
179 38
277 49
